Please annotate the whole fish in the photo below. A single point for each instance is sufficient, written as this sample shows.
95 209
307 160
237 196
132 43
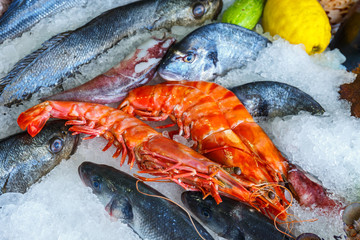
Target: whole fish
24 159
210 51
275 99
134 71
231 219
150 217
62 55
22 15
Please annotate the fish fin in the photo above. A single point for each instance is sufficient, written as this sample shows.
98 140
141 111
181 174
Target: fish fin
120 208
26 61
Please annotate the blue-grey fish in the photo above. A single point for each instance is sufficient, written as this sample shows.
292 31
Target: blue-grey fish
22 15
24 159
150 217
231 219
210 51
275 99
61 56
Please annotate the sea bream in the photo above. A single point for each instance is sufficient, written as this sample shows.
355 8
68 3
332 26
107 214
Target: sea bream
211 51
22 15
24 159
62 55
150 217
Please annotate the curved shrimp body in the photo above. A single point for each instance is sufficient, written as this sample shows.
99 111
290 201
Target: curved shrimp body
243 124
198 116
155 154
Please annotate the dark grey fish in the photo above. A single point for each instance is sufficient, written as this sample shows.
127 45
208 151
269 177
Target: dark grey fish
231 219
150 217
210 51
22 15
24 159
61 56
275 99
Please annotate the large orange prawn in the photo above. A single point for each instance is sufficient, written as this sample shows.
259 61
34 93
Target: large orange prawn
155 154
243 124
199 116
306 191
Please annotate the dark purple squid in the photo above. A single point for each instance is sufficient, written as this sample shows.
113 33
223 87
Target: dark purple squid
112 86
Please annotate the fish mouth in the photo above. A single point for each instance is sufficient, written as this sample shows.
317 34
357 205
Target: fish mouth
84 176
169 76
77 141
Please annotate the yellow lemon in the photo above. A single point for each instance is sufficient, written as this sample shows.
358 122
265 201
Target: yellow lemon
298 21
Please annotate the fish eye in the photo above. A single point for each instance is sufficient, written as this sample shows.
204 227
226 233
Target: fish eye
206 213
189 57
198 10
96 183
56 145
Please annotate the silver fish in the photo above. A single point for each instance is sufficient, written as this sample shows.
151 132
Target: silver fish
150 217
231 219
22 15
210 51
61 56
24 159
275 99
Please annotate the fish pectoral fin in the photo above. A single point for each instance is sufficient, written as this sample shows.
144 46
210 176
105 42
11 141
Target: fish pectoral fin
120 208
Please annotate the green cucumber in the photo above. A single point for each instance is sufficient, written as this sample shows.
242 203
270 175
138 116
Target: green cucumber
245 13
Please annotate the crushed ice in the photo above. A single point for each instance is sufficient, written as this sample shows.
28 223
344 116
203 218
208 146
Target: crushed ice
60 207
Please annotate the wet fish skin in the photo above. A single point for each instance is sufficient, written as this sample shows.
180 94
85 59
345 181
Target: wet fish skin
275 99
61 56
210 51
4 4
150 217
231 219
112 86
22 15
24 159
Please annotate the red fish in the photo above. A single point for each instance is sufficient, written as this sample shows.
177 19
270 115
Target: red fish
134 71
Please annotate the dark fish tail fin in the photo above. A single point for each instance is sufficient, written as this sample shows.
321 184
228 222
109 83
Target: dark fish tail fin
24 63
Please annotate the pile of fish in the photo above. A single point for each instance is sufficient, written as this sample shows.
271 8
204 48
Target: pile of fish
234 157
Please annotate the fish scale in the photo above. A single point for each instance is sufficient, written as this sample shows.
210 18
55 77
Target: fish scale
31 12
61 56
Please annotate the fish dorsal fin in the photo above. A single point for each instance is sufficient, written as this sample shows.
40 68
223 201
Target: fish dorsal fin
26 61
120 208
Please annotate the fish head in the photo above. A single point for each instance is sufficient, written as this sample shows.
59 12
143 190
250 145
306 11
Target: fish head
94 177
194 59
30 158
187 12
215 216
105 181
54 143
